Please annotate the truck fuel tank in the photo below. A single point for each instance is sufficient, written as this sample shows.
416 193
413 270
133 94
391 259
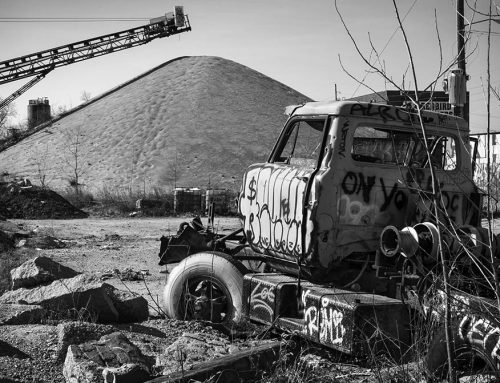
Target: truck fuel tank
354 323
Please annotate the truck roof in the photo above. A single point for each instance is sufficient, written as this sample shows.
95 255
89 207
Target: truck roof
375 110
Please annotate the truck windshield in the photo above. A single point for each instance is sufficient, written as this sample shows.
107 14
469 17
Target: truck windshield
394 147
301 143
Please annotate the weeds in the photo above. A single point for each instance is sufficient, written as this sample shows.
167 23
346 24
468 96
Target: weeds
81 200
156 307
108 201
310 365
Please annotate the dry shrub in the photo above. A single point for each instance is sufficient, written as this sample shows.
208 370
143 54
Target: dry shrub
124 200
80 198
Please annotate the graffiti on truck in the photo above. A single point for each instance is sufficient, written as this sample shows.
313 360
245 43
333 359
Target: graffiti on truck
262 298
271 205
325 322
482 334
368 199
387 113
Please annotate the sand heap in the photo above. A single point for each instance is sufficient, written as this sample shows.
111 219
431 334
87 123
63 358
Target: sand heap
191 122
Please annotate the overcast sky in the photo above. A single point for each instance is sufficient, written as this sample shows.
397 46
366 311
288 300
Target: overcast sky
296 42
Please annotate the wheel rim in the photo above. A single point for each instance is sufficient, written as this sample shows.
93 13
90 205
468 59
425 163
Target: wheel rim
205 298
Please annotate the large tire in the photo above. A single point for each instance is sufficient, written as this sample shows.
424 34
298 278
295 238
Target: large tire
205 286
469 359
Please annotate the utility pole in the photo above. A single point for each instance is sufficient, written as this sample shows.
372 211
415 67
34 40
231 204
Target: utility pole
457 79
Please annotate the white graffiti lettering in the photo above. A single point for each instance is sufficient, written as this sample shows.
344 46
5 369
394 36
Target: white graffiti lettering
271 205
262 298
480 332
327 323
331 328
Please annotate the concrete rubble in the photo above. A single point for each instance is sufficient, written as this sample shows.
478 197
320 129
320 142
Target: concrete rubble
112 356
38 271
16 314
97 336
81 297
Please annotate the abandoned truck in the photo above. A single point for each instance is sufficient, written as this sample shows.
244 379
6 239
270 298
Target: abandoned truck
340 241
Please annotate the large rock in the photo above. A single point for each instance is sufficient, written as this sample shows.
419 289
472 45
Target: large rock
6 242
84 297
131 306
81 297
87 362
20 314
78 332
13 231
39 270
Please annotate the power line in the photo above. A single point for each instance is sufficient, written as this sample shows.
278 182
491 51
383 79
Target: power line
485 32
67 19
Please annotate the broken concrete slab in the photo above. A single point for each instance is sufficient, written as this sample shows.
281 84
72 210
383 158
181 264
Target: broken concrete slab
131 306
13 231
83 296
78 332
86 362
39 270
16 314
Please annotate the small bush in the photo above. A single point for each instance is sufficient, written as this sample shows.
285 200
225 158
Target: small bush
81 199
123 200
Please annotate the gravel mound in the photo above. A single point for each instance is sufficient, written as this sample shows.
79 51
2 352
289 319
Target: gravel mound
26 201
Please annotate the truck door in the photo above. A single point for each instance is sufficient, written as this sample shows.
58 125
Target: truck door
274 202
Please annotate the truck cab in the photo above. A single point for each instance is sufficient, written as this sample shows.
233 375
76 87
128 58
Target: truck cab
352 215
340 173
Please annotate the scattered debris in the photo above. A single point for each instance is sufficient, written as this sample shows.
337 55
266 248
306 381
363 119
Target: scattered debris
112 237
41 242
110 246
131 275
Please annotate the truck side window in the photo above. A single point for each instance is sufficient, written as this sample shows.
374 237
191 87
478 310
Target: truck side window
396 147
301 143
380 146
443 152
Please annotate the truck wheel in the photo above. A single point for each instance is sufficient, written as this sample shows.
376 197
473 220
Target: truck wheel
205 286
470 360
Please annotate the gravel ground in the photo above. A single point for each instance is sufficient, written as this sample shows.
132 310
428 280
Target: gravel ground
100 246
105 246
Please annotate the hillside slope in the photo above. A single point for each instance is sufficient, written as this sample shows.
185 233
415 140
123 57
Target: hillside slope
188 122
